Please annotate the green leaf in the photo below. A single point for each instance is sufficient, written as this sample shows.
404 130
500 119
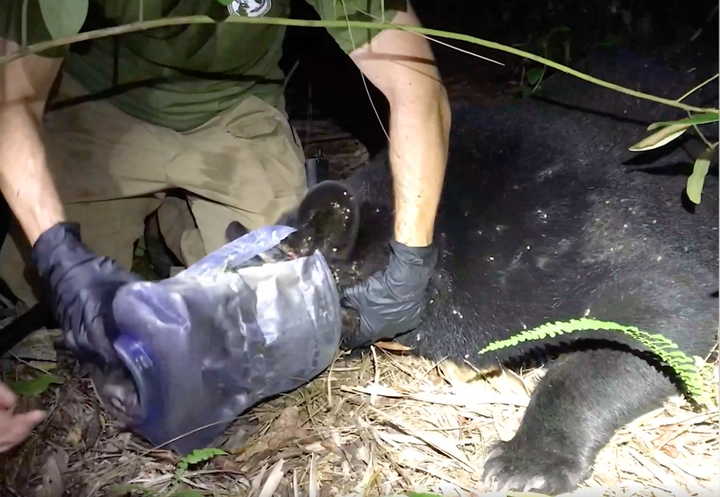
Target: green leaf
63 17
196 456
534 75
684 366
200 455
708 117
697 179
34 387
225 2
660 138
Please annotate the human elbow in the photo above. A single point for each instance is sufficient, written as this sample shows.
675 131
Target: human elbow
26 82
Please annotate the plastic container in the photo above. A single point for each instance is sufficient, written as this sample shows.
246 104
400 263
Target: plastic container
205 345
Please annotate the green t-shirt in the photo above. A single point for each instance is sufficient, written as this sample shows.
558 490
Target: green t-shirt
182 76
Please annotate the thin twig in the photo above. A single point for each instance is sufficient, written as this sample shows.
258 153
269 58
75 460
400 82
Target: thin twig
290 74
702 137
698 87
328 380
29 364
362 75
453 47
697 130
373 394
175 21
23 24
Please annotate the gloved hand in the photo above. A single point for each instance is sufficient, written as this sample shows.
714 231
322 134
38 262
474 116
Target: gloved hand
81 287
390 302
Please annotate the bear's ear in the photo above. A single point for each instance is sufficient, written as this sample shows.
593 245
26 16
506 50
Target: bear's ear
329 215
234 231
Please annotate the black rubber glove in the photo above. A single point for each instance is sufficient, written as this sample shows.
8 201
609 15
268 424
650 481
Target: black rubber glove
390 302
81 286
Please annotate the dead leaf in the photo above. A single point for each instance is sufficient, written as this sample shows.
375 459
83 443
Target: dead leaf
453 372
52 475
39 346
393 346
237 440
670 451
92 429
273 479
74 436
509 382
224 463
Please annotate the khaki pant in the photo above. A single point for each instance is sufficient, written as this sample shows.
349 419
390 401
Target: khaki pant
111 170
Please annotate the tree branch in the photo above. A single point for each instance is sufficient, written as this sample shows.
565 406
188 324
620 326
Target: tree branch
174 21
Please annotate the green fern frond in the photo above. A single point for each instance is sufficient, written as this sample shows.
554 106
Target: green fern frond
196 456
665 349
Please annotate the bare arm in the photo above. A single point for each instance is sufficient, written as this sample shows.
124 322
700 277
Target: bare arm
402 66
25 180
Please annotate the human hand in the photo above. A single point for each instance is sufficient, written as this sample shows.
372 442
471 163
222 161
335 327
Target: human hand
14 428
390 302
82 286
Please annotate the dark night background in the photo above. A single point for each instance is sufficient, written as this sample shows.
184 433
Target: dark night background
675 30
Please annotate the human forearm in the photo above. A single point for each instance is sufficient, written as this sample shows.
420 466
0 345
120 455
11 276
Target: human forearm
402 66
419 129
25 180
390 302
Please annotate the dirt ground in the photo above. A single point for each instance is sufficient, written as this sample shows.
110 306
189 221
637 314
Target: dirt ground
384 423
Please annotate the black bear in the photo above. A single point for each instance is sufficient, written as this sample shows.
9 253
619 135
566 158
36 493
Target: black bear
547 216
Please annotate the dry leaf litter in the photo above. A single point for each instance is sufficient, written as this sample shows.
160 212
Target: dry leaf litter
383 423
